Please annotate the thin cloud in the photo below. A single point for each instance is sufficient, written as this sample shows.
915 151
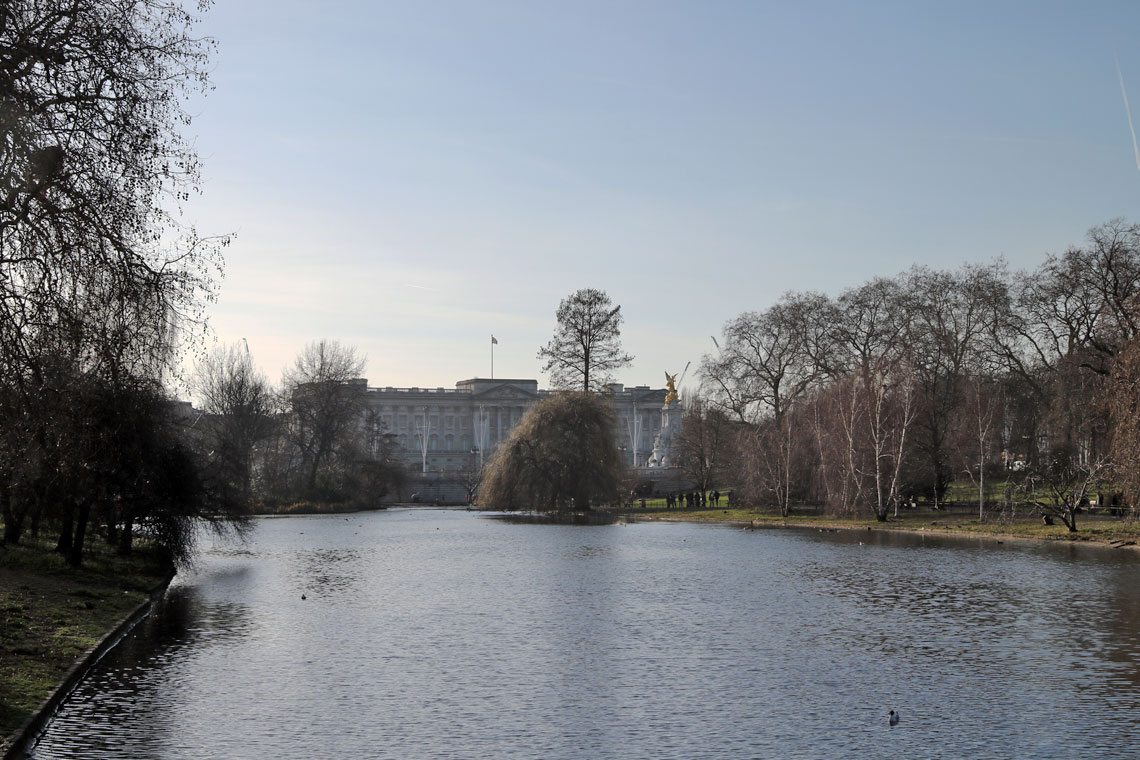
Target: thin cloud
1127 109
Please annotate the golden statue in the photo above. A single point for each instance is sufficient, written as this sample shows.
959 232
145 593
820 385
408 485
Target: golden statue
671 396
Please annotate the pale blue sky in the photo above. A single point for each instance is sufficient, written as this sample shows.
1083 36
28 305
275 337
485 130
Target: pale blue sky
410 177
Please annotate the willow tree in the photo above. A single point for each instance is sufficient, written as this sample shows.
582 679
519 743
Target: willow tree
561 456
100 280
93 170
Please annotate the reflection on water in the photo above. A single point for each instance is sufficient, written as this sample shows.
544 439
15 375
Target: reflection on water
435 634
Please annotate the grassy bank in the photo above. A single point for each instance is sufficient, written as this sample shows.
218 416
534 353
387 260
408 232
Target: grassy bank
1091 528
316 508
50 614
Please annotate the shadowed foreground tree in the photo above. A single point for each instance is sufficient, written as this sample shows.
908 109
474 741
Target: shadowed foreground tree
93 169
560 457
586 345
155 484
100 280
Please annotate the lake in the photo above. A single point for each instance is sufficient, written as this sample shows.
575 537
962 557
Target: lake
448 634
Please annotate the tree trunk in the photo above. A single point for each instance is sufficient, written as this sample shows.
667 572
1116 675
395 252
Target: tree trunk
13 523
66 539
112 529
787 468
75 556
981 487
1069 517
126 534
37 513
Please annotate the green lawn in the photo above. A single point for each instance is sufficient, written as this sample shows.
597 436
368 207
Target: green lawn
50 614
1097 528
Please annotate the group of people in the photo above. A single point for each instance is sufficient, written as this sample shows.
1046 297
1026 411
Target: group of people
692 499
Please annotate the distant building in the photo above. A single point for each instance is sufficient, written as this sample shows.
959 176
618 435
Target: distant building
453 430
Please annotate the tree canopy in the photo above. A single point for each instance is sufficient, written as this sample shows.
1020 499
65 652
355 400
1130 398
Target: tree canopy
900 386
561 456
99 280
325 403
586 345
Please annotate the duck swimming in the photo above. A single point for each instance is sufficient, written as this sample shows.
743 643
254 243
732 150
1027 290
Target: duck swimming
893 719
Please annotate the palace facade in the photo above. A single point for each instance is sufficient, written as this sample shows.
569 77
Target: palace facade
453 430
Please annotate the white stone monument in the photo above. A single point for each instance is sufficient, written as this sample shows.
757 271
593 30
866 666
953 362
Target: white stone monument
667 444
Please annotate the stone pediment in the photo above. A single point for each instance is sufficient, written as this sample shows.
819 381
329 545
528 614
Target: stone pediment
506 393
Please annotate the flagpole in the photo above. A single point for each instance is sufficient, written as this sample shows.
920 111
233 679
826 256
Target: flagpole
492 357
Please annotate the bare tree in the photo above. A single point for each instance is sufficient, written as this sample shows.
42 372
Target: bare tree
99 275
978 423
586 345
1125 408
93 168
951 315
141 459
325 396
768 360
239 407
878 405
1075 315
833 414
1068 479
943 364
706 437
1080 302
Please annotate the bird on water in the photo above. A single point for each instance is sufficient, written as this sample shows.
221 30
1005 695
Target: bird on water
893 718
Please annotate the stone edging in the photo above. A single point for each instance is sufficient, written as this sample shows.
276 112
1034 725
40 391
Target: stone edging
19 744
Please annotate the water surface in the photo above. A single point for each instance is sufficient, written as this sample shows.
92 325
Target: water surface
444 634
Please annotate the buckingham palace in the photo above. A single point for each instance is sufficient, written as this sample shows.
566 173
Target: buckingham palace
452 430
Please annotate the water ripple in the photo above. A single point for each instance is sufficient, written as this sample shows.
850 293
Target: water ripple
433 634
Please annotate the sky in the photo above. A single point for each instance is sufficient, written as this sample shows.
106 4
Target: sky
411 178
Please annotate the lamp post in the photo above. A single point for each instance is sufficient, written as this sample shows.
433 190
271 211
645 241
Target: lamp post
481 435
634 425
424 439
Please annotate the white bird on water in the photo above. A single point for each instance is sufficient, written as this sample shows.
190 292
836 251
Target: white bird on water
893 719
